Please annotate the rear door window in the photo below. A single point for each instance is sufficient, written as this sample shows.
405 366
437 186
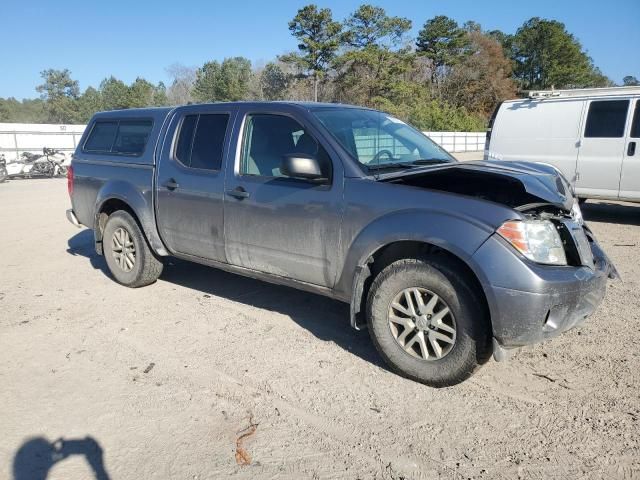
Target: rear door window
200 142
606 119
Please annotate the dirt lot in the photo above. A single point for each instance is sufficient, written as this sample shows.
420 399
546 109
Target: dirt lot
160 382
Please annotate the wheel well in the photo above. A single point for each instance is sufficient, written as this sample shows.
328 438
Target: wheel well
392 252
110 206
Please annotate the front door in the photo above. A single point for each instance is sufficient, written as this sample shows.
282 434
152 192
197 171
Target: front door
602 148
190 185
630 176
275 224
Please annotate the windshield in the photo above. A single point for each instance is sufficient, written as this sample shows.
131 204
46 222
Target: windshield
379 141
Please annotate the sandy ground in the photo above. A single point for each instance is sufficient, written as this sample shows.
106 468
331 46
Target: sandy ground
160 382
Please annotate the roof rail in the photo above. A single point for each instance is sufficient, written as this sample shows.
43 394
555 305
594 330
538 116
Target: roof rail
584 92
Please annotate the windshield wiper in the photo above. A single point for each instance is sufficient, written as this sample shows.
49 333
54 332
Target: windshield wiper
388 166
428 161
412 164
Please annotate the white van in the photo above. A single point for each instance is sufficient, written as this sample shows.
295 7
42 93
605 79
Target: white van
591 135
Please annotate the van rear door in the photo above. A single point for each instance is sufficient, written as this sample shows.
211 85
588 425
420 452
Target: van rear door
602 147
630 175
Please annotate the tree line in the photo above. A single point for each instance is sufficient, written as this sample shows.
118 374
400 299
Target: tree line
450 77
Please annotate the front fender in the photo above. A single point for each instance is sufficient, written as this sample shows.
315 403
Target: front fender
140 201
459 235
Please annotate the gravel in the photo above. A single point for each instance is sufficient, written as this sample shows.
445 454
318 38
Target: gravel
210 375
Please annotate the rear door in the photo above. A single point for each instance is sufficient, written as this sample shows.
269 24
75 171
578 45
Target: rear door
190 181
630 175
602 148
275 224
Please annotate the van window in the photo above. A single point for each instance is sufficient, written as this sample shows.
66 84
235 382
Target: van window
124 137
132 137
201 141
606 119
635 126
101 137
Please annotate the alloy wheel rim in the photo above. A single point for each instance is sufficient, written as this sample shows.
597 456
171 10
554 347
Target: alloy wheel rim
124 250
422 324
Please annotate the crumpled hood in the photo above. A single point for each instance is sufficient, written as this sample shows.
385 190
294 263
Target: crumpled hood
539 180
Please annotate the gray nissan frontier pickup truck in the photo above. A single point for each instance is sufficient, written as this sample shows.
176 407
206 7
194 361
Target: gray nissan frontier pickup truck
444 262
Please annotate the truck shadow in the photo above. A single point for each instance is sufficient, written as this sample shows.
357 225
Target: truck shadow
37 456
607 212
326 319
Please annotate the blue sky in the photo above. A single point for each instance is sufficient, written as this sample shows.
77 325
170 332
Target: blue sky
133 38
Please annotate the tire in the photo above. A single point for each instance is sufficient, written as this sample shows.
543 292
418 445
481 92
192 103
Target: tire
468 318
145 268
3 174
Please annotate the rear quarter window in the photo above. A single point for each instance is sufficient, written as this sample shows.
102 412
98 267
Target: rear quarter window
119 137
101 137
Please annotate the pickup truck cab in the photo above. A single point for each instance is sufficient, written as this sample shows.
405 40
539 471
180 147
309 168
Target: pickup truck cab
444 262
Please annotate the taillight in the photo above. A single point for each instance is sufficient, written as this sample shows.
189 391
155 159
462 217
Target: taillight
70 180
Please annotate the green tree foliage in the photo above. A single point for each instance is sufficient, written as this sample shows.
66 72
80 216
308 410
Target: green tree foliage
60 94
432 114
89 103
370 26
25 111
371 68
274 82
546 56
630 81
115 94
223 82
319 38
443 42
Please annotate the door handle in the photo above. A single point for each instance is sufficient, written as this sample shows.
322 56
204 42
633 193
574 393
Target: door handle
239 193
171 184
631 149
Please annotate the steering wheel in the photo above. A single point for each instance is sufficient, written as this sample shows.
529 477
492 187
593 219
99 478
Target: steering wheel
377 156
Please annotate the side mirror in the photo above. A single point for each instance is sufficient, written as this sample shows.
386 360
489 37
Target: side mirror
300 165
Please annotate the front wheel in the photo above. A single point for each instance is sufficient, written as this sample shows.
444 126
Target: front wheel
428 322
128 255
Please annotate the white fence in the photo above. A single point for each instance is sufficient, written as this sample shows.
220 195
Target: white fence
459 141
16 138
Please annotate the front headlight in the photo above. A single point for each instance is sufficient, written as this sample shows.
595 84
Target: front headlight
538 240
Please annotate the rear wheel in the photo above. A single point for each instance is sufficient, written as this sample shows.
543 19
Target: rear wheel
128 255
427 321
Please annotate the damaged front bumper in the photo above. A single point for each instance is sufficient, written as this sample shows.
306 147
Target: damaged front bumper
531 303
